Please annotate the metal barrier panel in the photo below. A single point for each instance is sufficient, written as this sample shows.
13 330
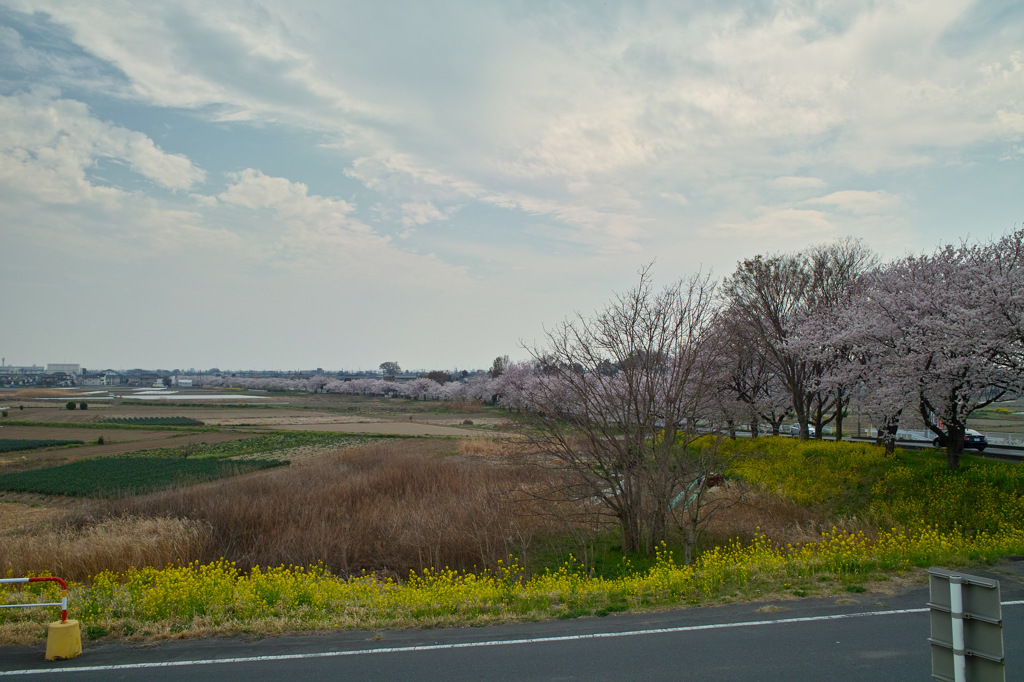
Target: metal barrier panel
966 627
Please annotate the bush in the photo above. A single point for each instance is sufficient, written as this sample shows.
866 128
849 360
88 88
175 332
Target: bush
83 405
4 413
99 441
70 405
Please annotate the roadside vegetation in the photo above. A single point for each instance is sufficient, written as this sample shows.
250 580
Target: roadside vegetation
428 532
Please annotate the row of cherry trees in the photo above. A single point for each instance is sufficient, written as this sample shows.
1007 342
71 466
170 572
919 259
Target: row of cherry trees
793 336
938 334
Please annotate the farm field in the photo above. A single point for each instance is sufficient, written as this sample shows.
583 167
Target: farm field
15 445
290 410
126 474
115 442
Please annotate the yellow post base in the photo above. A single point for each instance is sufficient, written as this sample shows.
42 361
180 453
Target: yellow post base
63 640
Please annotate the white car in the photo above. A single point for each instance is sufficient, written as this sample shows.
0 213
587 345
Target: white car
794 430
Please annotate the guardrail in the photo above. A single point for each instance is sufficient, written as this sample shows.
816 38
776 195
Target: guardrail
63 603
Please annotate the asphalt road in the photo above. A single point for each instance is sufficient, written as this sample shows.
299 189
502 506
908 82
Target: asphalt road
872 638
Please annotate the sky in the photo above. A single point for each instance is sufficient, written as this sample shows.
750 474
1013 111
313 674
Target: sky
285 185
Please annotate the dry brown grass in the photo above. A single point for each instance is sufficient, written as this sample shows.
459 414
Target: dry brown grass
487 447
77 550
388 507
779 518
463 406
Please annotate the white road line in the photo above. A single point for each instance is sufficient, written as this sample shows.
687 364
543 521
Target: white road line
466 645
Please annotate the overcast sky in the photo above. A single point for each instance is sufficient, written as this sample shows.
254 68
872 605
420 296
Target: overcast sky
263 184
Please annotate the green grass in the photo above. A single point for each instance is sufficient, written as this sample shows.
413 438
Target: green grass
905 489
272 442
125 475
14 444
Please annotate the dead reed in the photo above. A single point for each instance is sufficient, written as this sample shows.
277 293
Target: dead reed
75 550
388 507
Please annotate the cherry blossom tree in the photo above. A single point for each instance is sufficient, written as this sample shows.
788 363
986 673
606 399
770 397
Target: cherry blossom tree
924 326
422 388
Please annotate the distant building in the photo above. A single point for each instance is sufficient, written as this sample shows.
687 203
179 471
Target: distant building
63 368
92 379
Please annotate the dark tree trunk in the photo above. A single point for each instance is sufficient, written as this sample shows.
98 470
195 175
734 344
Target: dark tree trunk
954 445
840 407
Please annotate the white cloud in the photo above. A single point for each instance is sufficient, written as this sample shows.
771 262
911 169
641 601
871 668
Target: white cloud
312 232
421 213
675 197
780 228
858 201
795 182
47 145
253 189
521 108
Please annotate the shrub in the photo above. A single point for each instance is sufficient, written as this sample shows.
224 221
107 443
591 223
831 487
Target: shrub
99 441
4 413
70 405
83 405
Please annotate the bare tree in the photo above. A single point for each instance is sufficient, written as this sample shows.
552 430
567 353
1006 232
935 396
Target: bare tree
773 295
770 293
748 385
617 401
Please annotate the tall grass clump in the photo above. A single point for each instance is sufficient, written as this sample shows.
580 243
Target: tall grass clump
76 548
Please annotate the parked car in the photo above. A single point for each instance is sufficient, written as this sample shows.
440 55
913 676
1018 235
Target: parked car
972 439
794 430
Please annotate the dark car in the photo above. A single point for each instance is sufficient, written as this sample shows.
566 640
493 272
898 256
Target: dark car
972 439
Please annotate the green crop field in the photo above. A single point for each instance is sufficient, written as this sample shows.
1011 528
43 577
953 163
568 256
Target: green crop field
11 444
272 442
125 475
153 421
